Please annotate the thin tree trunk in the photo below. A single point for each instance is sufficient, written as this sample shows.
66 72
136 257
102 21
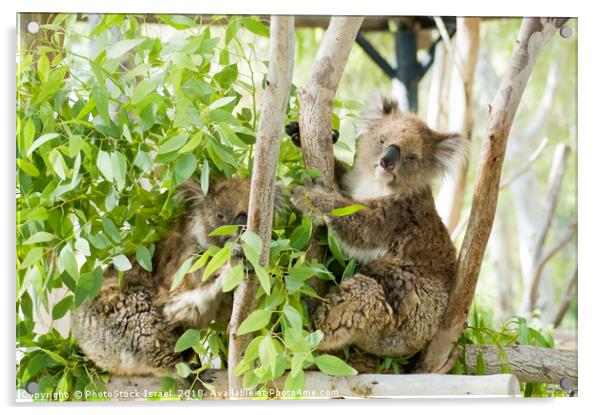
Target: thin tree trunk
451 195
434 109
316 99
261 200
315 116
533 36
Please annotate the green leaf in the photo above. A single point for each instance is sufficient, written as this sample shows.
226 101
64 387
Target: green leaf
205 177
180 273
41 140
251 246
220 102
267 354
143 161
39 237
105 165
144 258
193 143
234 278
120 48
263 276
332 365
297 362
57 358
67 261
43 68
29 168
256 27
300 237
480 369
61 308
173 144
257 320
184 168
190 338
58 163
91 282
182 369
293 317
349 271
335 248
143 90
121 263
347 210
177 22
218 260
224 230
201 262
110 229
295 382
119 168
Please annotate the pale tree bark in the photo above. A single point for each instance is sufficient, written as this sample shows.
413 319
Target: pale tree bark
527 193
534 34
261 200
315 116
453 189
437 86
536 259
527 363
316 99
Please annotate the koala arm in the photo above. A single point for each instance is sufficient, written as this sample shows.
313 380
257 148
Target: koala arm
355 231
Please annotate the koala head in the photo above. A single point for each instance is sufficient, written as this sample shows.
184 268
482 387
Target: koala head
400 151
226 203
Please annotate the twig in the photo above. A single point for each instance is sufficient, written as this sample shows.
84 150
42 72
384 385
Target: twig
534 156
566 299
448 45
552 195
544 260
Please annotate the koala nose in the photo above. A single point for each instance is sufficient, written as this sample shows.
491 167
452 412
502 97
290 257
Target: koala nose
390 157
241 219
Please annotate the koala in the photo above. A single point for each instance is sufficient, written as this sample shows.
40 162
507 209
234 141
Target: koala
133 331
394 303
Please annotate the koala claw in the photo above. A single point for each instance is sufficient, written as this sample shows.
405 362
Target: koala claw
237 254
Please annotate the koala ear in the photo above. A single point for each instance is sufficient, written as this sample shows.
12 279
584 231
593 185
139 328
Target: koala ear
450 153
191 192
375 113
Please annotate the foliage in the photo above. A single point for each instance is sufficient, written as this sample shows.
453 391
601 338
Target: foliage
516 331
110 120
112 115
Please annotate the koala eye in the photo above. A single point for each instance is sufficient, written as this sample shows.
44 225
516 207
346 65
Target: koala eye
411 157
381 140
220 216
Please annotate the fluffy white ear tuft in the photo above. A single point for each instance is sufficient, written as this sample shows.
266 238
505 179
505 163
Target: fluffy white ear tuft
376 112
190 192
451 153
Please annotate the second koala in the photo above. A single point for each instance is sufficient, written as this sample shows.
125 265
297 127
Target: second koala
395 302
133 332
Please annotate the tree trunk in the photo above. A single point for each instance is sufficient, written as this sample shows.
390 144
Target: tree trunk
437 86
261 200
316 99
527 363
453 189
533 36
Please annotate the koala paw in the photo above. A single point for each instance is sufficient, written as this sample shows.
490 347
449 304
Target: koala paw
238 255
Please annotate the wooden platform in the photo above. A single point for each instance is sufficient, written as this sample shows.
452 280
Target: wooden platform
321 386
